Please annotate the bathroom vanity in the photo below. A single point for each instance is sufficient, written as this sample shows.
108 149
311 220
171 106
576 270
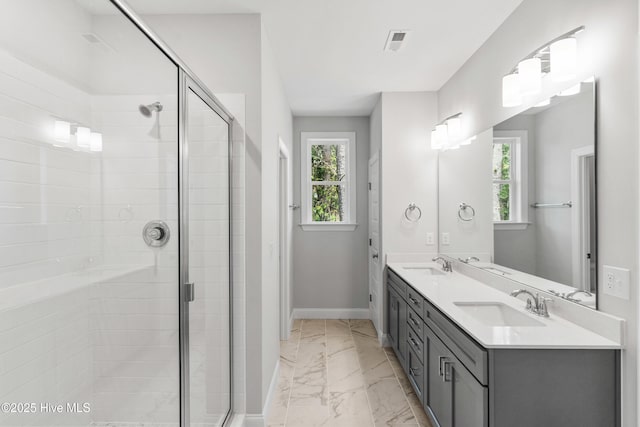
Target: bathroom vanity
476 358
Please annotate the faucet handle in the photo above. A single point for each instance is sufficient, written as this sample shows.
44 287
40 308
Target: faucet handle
543 309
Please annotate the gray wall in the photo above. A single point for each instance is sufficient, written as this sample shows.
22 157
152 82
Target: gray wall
611 43
330 268
559 130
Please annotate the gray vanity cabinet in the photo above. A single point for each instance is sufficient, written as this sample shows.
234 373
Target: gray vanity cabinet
453 396
463 384
397 317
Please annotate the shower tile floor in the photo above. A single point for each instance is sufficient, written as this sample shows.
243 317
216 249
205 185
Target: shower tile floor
334 373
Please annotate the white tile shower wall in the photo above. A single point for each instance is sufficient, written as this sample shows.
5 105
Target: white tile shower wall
134 319
45 233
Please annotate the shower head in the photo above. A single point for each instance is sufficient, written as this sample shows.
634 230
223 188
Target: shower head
146 110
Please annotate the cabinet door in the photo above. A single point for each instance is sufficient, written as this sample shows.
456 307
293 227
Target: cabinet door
470 398
403 347
393 316
438 398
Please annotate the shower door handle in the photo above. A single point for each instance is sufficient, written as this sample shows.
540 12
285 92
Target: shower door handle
189 292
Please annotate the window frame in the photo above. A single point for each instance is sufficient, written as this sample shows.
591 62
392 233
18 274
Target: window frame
519 182
307 139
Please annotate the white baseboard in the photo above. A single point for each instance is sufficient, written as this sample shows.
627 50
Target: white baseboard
260 420
384 340
254 420
330 313
291 318
272 391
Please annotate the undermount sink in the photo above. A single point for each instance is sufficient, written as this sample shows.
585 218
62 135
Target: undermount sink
430 271
497 314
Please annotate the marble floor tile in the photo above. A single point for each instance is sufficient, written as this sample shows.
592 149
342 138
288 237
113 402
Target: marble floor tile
334 373
338 327
389 404
344 373
364 327
313 330
303 416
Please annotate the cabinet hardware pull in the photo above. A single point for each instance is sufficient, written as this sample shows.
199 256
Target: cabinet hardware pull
440 360
446 372
413 300
413 320
413 372
415 344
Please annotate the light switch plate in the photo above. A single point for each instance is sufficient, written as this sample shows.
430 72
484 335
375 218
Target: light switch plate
616 281
446 239
430 239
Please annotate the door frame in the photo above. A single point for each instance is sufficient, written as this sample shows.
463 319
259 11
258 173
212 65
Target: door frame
185 84
580 223
284 225
376 292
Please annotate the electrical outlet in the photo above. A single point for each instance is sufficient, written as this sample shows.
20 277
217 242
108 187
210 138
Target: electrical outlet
616 281
445 239
430 239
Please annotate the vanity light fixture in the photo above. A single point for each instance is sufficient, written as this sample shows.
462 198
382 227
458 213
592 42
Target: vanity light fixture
62 131
511 96
530 72
83 137
564 59
447 134
559 58
543 103
96 142
573 90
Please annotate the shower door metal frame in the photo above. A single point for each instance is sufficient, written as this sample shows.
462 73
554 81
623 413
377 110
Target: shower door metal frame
187 80
186 84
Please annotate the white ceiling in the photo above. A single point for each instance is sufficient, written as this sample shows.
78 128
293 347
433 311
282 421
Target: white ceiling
330 52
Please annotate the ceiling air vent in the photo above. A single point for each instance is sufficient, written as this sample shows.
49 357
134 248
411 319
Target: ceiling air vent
396 40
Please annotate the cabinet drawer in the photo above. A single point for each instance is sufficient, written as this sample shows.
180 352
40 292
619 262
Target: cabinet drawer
416 374
396 283
470 353
414 300
415 343
415 321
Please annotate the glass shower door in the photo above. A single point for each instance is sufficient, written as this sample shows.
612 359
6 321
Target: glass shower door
206 162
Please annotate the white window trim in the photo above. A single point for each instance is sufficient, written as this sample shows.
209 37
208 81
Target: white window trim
520 195
307 139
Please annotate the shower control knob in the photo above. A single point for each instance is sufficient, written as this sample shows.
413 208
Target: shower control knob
156 234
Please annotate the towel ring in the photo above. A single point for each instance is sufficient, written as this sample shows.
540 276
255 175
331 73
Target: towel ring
412 207
463 208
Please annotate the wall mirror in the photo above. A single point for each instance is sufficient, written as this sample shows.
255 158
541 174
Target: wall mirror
520 200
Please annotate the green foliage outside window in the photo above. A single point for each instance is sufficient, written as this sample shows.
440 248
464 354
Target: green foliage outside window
328 166
502 172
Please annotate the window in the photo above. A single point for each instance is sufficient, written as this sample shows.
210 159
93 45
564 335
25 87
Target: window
328 180
510 198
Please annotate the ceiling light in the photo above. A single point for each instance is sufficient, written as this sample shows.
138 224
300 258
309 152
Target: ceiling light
530 72
564 59
511 91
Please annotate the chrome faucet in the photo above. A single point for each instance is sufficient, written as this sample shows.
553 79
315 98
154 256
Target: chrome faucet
570 295
469 259
446 265
536 304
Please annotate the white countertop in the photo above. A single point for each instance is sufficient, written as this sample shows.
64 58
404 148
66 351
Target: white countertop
444 290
